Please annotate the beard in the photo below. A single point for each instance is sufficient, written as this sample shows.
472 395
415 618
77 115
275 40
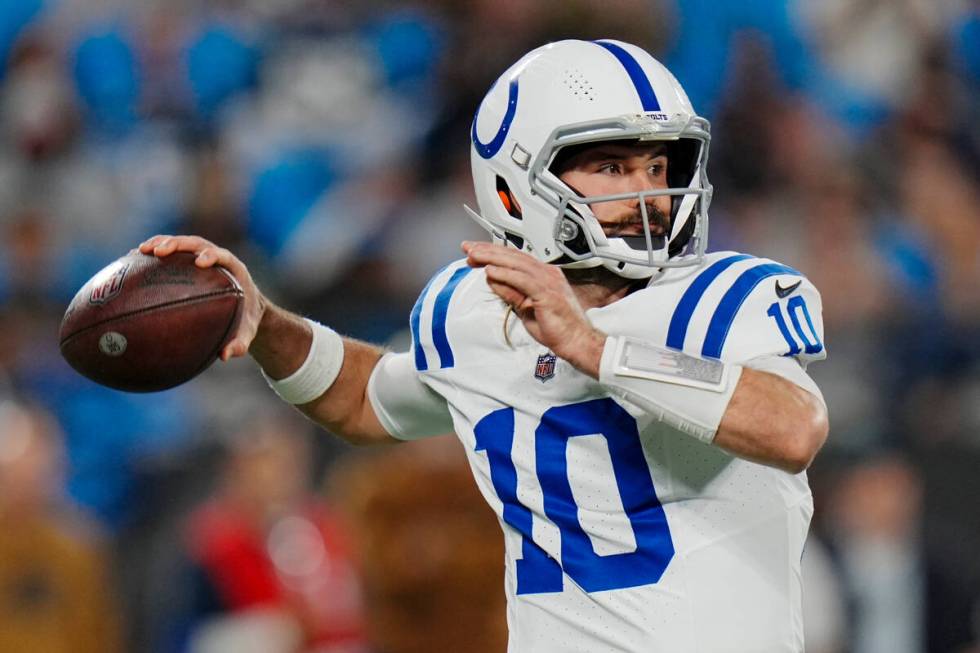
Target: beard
630 229
601 276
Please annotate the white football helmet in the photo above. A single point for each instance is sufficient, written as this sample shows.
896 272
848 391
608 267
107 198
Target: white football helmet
570 93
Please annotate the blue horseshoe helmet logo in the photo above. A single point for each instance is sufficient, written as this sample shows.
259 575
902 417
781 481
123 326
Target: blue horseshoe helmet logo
488 150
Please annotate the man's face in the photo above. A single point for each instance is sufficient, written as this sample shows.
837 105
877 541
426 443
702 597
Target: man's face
612 168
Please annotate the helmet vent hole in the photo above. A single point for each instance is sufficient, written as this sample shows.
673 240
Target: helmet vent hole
507 199
579 85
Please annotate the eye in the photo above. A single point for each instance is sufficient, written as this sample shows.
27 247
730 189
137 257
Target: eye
657 169
611 168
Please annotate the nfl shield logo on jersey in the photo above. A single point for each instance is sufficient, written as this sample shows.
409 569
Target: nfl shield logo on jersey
545 368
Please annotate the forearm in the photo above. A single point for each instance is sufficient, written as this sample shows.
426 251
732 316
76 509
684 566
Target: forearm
750 413
281 346
773 421
344 409
282 341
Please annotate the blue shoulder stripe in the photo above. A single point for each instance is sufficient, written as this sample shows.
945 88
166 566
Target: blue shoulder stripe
420 363
440 311
727 309
681 319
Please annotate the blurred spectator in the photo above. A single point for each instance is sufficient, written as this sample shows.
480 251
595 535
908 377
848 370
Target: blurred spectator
272 565
429 548
709 37
869 52
824 606
54 594
40 117
903 599
428 231
15 17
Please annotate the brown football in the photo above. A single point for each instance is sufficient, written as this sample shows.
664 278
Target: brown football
144 324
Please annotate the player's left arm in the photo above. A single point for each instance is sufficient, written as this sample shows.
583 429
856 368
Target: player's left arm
776 412
756 414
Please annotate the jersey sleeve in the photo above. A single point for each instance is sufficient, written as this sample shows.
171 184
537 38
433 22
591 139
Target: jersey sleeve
406 407
781 315
402 390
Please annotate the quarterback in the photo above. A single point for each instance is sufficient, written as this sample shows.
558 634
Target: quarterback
636 410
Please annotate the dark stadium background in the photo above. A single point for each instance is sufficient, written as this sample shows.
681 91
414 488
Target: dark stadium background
326 143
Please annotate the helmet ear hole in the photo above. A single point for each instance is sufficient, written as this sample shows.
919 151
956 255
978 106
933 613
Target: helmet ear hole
507 199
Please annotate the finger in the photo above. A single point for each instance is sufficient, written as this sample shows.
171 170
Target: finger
523 282
206 258
210 256
507 294
483 254
236 348
167 245
483 251
148 245
239 344
471 258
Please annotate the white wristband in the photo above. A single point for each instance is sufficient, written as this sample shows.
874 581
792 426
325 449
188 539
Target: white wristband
687 392
318 371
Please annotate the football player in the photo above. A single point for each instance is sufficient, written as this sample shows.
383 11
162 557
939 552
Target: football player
636 411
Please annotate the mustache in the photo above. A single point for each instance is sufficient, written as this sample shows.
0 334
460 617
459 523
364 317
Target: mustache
631 224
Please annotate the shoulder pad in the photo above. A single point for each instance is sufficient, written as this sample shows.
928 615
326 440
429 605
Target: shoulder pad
744 307
430 344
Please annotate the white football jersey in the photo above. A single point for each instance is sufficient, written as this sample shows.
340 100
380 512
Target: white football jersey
621 533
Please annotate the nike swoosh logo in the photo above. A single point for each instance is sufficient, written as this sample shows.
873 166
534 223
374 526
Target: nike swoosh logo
784 292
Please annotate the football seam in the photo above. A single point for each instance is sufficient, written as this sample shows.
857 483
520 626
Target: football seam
176 302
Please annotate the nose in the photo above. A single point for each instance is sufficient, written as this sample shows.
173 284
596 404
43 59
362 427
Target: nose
640 180
638 183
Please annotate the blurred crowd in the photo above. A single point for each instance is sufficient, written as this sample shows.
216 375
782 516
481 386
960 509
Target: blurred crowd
326 143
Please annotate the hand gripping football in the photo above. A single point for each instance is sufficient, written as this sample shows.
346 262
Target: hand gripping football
144 324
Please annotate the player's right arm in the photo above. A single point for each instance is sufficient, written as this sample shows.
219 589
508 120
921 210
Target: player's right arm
281 345
280 341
